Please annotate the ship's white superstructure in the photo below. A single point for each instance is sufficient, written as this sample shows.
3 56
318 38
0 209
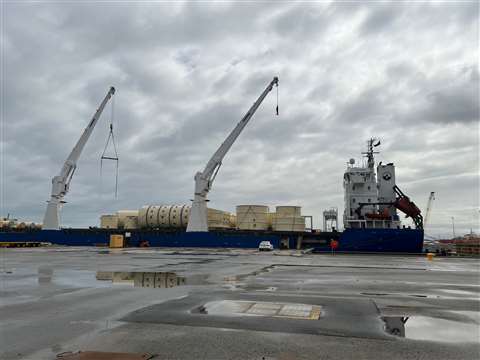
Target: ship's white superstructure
369 196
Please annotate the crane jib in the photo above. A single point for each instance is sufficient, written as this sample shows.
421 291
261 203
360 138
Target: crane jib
203 180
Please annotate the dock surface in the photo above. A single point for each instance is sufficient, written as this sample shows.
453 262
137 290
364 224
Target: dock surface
237 304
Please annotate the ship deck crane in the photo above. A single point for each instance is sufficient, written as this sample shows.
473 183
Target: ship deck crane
402 203
203 180
61 182
429 208
408 207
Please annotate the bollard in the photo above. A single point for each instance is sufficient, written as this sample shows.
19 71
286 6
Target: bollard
430 256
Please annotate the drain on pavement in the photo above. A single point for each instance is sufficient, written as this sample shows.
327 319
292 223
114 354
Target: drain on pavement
259 308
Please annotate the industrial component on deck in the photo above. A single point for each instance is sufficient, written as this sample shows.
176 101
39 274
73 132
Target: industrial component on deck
61 182
204 180
330 219
288 218
429 208
163 216
252 217
176 216
127 219
109 222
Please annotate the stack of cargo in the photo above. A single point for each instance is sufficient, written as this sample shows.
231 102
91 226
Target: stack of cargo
468 246
123 219
14 224
252 217
163 216
218 219
109 222
247 217
288 218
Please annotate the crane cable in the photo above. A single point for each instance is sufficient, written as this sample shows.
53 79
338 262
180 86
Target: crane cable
111 137
277 100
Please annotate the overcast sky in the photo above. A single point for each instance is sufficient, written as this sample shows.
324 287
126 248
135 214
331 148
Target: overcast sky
185 74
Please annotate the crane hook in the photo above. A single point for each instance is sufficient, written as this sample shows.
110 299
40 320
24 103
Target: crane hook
276 109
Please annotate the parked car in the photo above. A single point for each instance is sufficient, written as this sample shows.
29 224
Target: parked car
265 246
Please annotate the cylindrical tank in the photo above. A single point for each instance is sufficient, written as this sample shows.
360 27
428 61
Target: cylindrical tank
163 216
178 215
127 219
252 217
284 211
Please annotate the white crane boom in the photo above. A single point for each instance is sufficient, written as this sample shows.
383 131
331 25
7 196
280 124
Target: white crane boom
61 182
429 208
203 180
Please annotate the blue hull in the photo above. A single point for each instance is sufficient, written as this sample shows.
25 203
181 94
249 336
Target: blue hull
351 240
88 237
381 240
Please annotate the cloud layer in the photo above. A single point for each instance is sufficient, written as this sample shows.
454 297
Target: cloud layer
186 73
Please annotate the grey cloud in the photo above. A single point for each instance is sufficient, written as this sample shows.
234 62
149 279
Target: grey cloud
186 74
381 18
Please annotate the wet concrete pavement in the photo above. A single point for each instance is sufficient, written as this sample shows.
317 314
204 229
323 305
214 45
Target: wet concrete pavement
280 305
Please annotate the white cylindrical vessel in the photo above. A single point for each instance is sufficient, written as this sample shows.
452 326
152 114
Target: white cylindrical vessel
142 216
252 217
163 216
178 215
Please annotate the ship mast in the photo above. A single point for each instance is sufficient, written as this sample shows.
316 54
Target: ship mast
373 142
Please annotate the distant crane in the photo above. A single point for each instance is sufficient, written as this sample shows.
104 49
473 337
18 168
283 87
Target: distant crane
204 179
429 208
61 182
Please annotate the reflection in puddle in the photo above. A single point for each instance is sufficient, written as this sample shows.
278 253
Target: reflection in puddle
143 279
432 329
395 325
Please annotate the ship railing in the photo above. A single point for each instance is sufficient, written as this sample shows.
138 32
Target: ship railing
370 224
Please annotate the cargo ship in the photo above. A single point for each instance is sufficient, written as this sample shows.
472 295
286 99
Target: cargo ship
371 222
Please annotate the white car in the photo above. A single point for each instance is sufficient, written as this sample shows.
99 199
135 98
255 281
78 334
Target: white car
265 246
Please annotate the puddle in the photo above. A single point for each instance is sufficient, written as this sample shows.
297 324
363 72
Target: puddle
157 279
432 329
260 308
374 294
457 292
